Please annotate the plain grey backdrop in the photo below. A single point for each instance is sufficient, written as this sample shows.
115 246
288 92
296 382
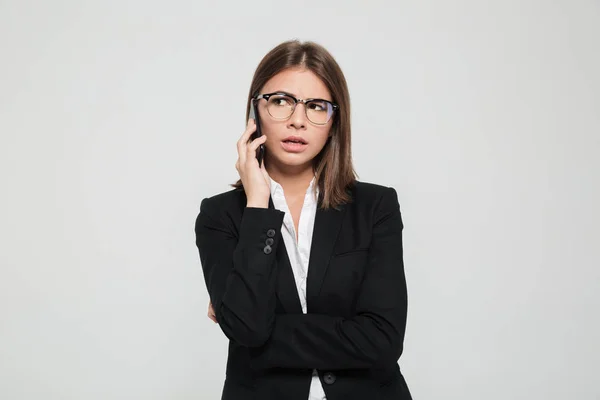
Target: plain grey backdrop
118 117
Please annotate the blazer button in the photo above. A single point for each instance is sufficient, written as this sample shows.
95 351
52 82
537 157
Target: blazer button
267 249
271 232
269 241
329 378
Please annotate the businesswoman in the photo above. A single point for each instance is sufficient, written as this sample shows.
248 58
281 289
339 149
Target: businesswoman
303 263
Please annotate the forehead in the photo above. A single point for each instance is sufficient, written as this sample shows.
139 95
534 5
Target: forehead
302 83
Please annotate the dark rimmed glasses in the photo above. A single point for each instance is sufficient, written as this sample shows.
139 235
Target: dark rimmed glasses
281 106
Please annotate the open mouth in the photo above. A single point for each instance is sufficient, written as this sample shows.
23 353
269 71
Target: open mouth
294 141
294 145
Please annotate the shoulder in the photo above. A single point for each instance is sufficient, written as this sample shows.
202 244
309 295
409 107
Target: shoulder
229 197
370 193
377 200
224 203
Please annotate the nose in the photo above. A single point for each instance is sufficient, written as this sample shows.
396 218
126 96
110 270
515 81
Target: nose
298 118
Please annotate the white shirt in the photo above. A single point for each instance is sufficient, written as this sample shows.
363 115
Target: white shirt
299 252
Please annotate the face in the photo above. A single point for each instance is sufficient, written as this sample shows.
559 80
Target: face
280 153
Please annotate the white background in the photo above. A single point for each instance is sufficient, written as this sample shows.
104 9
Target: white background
118 117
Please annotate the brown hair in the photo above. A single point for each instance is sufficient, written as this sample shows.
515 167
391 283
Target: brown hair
333 166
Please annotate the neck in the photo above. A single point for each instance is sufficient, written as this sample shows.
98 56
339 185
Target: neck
293 179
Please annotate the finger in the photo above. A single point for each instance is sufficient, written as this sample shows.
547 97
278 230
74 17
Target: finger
255 143
250 128
212 317
251 151
211 312
243 141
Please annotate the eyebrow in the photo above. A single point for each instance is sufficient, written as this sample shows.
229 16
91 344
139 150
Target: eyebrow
293 95
285 92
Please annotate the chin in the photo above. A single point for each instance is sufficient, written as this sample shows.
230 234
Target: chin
293 160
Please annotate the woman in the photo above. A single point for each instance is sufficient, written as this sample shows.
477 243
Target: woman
303 263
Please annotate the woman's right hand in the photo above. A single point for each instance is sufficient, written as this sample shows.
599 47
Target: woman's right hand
256 180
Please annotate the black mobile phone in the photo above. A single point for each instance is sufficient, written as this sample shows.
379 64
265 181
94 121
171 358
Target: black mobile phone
260 152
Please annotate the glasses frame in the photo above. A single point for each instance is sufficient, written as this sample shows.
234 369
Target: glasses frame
266 96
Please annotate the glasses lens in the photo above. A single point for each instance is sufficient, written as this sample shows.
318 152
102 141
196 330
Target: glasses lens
280 106
319 111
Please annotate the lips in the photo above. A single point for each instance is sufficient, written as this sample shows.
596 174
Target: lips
295 140
294 144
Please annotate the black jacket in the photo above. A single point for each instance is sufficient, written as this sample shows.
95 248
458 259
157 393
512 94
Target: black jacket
353 331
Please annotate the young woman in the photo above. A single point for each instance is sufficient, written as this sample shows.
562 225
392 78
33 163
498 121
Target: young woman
303 263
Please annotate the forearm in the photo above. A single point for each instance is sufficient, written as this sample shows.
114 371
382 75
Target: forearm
326 342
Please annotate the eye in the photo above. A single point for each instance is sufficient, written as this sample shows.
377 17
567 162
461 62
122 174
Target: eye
281 101
317 105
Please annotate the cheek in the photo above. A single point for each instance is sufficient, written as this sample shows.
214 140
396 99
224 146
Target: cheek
319 140
269 129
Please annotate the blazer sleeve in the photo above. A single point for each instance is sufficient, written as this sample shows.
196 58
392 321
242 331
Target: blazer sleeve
238 269
374 335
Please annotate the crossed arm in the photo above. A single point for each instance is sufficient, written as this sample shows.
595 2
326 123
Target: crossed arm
241 282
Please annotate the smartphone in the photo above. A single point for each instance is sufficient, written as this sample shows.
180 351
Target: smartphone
260 152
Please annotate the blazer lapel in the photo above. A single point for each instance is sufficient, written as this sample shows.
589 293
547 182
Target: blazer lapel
326 229
286 285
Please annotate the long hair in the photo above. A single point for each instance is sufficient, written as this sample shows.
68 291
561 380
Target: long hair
333 168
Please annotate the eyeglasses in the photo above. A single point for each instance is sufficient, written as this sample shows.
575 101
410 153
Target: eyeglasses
282 105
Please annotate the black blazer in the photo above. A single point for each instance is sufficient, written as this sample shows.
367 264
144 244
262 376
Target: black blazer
353 331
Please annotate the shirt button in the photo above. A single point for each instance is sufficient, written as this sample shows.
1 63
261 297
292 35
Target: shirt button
329 378
271 232
267 249
269 241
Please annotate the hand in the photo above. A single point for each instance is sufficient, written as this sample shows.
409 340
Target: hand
256 180
211 313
